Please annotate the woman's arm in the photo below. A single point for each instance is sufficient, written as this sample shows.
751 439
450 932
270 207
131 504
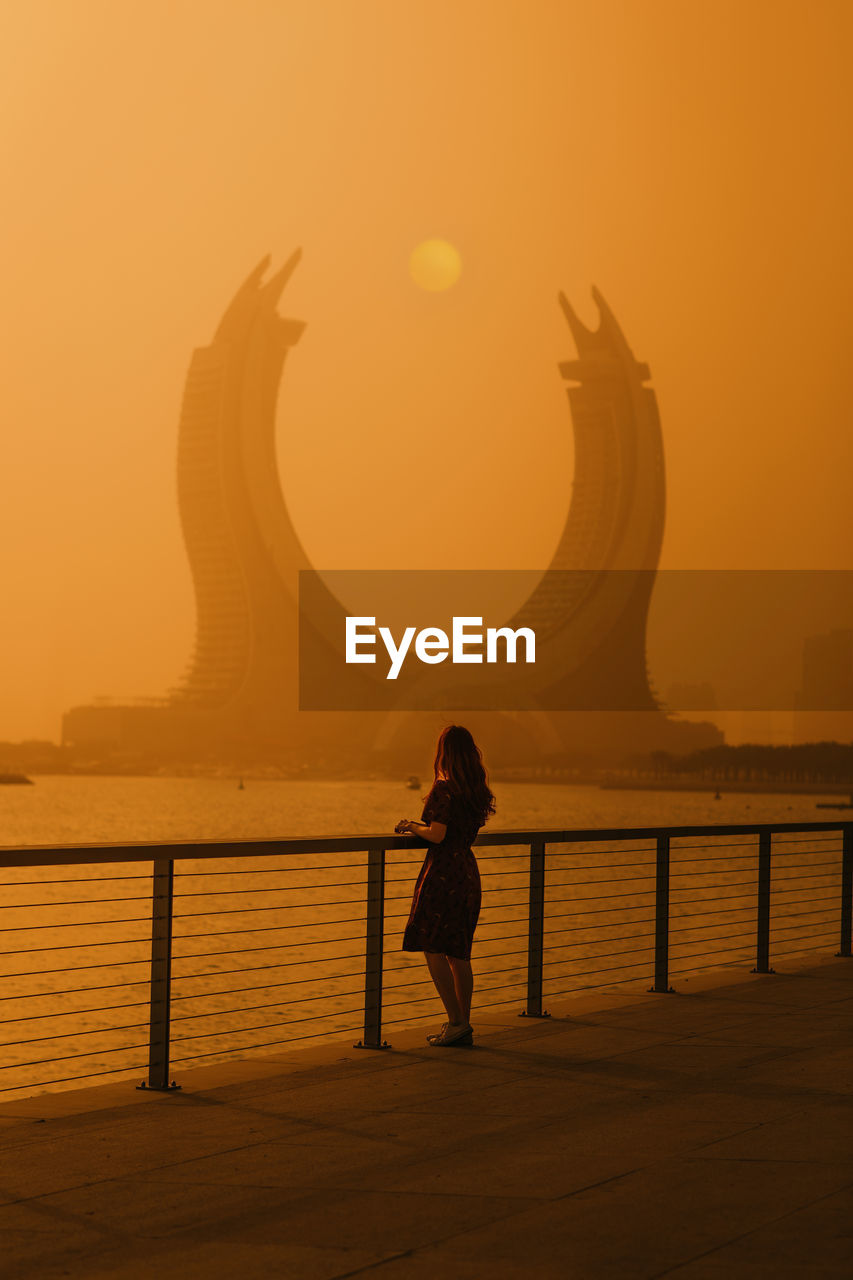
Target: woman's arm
434 832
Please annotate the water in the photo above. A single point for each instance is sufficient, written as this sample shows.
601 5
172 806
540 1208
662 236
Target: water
268 951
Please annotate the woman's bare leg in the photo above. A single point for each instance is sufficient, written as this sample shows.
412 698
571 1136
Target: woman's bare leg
463 981
442 975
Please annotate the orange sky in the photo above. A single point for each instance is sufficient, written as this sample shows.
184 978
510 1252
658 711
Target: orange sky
692 160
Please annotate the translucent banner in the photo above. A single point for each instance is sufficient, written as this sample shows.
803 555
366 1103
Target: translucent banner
576 640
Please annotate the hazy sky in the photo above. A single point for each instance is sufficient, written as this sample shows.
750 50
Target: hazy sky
689 157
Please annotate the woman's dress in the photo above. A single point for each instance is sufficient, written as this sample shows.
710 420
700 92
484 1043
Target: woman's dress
446 901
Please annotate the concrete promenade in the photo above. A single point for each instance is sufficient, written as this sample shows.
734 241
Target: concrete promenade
704 1135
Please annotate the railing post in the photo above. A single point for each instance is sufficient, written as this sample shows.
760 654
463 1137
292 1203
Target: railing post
846 890
535 932
762 952
662 918
373 951
162 896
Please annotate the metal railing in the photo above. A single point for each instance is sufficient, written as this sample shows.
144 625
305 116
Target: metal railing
670 893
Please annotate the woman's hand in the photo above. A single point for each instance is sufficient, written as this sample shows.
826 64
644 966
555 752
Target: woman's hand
433 832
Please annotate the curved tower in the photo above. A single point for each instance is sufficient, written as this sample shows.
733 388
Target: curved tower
590 608
236 529
241 684
240 691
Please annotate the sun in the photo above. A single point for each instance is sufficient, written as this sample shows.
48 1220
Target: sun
435 265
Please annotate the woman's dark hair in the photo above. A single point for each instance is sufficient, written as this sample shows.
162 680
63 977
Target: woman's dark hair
459 758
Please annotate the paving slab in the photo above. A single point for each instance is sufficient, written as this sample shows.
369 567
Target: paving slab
816 1241
822 1131
698 1136
644 1223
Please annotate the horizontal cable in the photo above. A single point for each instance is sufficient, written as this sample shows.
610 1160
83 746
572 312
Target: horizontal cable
499 986
589 986
71 991
70 1013
821 935
581 853
265 968
488 917
283 888
66 1035
579 884
492 955
508 937
551 873
831 898
72 1057
488 924
419 982
269 946
728 844
81 902
601 911
39 973
415 868
600 866
640 964
76 946
603 955
781 840
785 876
603 897
88 1075
522 871
239 1031
276 928
501 955
73 924
596 897
750 890
244 911
273 1004
698 915
407 897
625 937
389 987
92 879
747 946
749 934
574 928
493 1004
711 964
728 859
269 1044
715 924
795 951
275 871
826 926
832 901
720 884
269 986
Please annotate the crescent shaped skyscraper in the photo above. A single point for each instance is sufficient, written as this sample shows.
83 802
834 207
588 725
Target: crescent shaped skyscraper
238 697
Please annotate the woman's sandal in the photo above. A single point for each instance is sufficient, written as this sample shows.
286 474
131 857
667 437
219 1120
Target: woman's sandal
450 1035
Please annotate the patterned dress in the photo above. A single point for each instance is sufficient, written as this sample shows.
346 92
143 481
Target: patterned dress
446 901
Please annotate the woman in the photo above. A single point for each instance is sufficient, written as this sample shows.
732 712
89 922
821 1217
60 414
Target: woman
446 901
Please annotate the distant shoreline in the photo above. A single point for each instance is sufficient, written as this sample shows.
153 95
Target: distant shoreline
604 783
756 787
